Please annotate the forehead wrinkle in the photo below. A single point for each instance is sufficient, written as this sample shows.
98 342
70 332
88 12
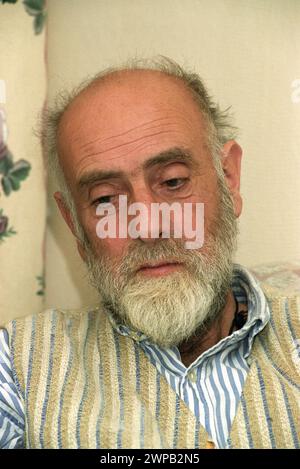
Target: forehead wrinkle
138 147
123 133
148 126
90 144
127 143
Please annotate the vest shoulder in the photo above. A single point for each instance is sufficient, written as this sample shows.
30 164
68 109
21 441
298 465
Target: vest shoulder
54 314
284 311
274 294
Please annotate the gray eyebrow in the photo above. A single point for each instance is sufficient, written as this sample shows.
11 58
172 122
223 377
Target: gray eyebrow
167 156
173 154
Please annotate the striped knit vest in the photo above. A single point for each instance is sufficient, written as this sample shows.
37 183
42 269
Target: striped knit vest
86 386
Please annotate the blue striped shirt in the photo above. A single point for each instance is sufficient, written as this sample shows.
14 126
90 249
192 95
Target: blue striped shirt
211 386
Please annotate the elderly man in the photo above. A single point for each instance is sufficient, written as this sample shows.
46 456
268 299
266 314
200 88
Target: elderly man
186 350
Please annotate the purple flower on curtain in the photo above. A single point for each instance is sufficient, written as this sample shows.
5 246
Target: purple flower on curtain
11 174
3 224
5 231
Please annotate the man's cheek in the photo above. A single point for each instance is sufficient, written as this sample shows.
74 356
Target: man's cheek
112 248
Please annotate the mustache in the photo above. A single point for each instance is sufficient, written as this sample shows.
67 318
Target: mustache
167 250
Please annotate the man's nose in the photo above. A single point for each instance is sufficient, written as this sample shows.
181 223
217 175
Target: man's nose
151 220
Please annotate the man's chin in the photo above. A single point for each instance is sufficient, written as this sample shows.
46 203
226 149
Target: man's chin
167 340
166 317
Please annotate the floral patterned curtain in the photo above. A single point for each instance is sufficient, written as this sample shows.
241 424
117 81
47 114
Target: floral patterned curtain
22 181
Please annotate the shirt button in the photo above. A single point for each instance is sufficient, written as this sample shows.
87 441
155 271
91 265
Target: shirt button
192 376
135 336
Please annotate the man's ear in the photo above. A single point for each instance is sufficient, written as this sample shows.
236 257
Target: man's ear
65 211
231 163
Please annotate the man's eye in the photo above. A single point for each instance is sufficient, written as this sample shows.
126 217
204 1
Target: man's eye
175 183
104 199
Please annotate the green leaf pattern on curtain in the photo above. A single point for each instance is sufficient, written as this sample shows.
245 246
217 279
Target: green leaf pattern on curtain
35 8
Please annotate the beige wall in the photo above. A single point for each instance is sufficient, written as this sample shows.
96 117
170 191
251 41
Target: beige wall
248 52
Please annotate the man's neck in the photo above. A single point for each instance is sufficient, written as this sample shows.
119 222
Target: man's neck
193 348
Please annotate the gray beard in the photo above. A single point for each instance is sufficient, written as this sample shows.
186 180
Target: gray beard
170 309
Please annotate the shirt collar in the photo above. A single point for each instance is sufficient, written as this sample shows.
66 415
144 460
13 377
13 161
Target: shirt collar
247 290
